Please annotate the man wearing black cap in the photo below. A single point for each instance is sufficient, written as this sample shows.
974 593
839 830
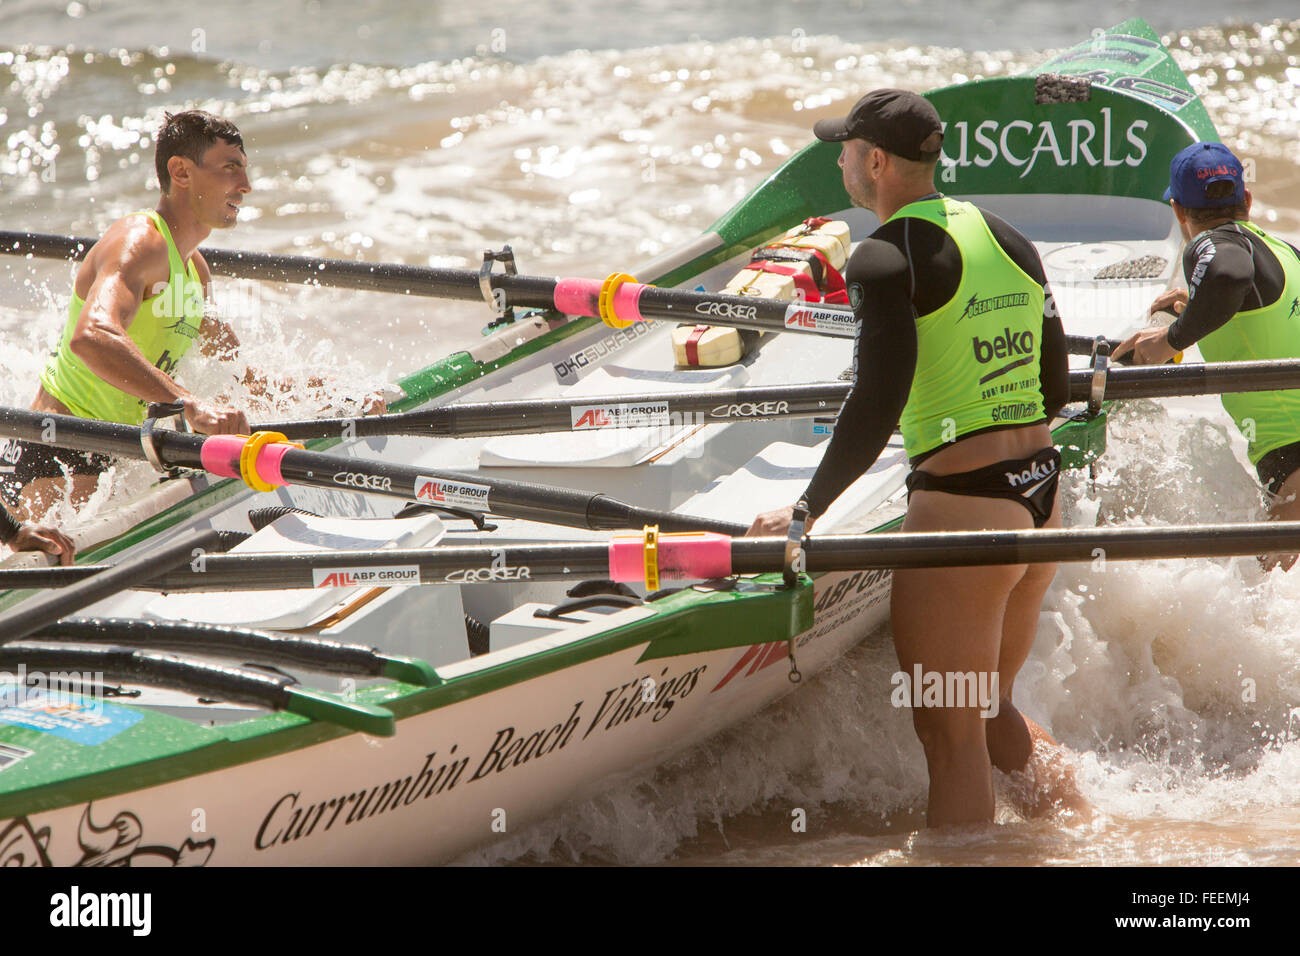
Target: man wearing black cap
1242 303
959 344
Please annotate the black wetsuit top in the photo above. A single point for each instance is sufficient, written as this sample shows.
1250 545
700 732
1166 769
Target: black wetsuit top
8 525
907 268
1228 270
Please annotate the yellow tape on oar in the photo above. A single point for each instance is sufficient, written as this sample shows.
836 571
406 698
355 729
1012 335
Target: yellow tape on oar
652 557
605 304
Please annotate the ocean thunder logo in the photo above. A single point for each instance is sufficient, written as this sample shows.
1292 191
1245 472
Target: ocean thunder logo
978 306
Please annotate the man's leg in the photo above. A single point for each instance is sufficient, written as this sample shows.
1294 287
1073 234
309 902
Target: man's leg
1010 733
1015 742
950 621
40 494
1284 506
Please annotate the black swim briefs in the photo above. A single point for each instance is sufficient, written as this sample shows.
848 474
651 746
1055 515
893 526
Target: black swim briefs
1277 465
1030 481
24 461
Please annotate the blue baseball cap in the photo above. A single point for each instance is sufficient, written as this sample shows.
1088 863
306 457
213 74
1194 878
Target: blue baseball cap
1196 167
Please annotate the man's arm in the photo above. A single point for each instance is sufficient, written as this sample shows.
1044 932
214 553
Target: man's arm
1220 272
27 536
216 338
128 261
126 265
884 361
1053 359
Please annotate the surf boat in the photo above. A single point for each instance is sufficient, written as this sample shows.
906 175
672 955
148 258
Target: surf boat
423 665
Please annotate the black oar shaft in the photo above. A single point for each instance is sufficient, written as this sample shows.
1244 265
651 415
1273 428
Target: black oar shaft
966 548
477 492
554 561
764 403
746 312
469 420
338 273
33 615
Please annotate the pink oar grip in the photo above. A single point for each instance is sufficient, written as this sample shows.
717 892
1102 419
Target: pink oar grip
627 302
578 296
694 555
268 463
220 454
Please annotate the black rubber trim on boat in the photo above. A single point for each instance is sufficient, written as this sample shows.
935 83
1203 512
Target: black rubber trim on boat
228 539
307 652
131 665
415 509
479 635
581 604
259 518
600 586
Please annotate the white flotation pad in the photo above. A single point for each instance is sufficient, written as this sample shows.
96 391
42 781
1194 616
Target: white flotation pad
299 534
589 446
780 473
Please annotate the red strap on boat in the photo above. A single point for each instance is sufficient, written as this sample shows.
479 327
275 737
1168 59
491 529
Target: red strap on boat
693 344
802 280
832 280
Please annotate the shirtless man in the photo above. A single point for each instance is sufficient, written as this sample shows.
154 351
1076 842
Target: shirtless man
1242 303
960 345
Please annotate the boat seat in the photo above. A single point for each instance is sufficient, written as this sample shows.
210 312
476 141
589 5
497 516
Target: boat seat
608 447
778 475
302 607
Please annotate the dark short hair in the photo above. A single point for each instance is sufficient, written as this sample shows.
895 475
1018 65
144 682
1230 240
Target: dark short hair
190 134
1217 191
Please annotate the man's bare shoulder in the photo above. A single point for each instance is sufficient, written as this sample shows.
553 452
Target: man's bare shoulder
131 247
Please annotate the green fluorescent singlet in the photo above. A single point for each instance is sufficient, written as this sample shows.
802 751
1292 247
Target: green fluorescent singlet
977 360
1269 420
163 329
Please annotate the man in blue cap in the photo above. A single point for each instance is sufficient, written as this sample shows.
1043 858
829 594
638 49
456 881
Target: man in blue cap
1242 303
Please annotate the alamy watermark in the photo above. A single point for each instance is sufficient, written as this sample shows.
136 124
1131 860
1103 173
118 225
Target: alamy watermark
70 694
946 689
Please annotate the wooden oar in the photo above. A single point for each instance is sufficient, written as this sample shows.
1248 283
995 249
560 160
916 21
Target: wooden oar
764 403
618 301
695 556
266 466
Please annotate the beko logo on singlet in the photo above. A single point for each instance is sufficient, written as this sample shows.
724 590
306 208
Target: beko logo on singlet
1003 346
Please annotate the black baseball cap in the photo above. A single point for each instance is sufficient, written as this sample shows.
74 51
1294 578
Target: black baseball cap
898 121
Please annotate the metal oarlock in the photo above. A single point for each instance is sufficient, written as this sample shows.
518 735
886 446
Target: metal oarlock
794 564
504 311
155 411
1100 366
